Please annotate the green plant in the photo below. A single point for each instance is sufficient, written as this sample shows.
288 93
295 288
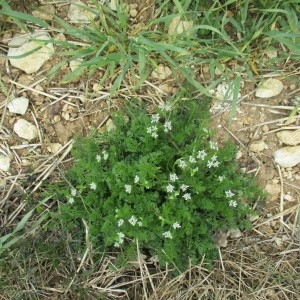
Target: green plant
158 179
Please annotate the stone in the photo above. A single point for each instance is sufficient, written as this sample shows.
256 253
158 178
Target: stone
223 91
162 72
18 105
270 88
20 45
287 157
74 64
289 137
235 233
54 147
4 162
271 53
258 146
77 13
273 189
178 26
25 130
44 12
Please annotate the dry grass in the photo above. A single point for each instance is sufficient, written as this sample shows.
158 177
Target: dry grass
263 264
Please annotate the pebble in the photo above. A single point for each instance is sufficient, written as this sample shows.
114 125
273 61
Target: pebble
223 92
25 130
162 72
21 45
258 146
18 105
44 12
54 147
289 137
270 88
178 26
287 157
77 14
4 163
74 64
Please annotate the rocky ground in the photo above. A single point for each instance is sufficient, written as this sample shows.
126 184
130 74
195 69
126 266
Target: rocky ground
37 131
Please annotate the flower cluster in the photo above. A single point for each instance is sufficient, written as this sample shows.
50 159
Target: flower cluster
160 179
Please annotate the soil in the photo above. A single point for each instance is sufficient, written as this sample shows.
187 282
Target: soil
84 106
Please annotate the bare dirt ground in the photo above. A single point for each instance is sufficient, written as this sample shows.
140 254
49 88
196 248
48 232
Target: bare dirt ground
265 262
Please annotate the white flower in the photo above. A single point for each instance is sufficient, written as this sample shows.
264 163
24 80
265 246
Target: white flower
117 245
121 235
221 178
155 118
165 107
154 134
229 194
98 158
213 145
140 224
149 129
176 225
192 159
201 154
173 177
216 164
120 222
136 179
213 162
170 188
70 200
232 203
105 155
93 186
167 235
128 188
132 220
184 187
73 192
187 196
214 158
182 163
168 126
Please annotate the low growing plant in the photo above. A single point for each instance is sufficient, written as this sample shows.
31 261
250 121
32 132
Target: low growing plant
159 179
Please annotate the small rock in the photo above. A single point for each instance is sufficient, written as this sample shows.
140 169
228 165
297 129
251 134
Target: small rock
4 163
18 105
289 137
289 198
258 146
166 88
133 13
25 130
162 72
287 157
265 128
54 147
234 233
74 64
20 45
223 91
44 12
270 88
178 26
273 189
220 238
271 53
77 13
